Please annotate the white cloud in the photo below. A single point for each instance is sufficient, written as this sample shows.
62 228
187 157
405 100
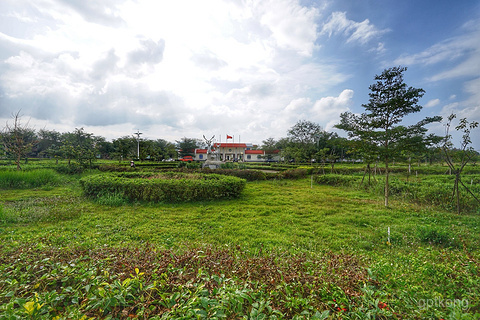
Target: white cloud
464 48
292 25
361 32
325 111
432 103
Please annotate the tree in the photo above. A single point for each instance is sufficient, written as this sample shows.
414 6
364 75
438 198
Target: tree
270 147
187 146
124 147
79 146
103 147
302 140
49 143
464 155
304 132
18 139
416 141
378 129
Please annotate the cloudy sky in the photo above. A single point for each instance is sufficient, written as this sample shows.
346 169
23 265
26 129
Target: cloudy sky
248 68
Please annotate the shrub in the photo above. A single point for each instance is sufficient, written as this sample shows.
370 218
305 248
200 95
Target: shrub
70 169
114 168
167 186
337 180
434 236
249 175
294 173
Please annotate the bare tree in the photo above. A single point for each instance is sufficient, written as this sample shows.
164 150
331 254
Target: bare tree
464 156
17 139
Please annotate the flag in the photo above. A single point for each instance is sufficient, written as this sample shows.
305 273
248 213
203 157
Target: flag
229 137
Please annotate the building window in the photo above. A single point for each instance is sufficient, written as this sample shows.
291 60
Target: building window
249 157
259 157
200 156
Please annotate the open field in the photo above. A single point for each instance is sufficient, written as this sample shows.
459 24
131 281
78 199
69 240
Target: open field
284 249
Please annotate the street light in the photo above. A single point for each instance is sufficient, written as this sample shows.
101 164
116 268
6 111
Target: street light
138 133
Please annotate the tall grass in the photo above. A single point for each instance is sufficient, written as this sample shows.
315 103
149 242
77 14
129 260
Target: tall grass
10 179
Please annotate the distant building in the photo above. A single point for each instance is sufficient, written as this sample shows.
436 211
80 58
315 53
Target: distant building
238 152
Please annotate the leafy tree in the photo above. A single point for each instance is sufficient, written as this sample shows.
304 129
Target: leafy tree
168 150
464 155
79 146
104 148
269 146
378 129
49 143
303 137
17 139
305 132
187 146
124 147
416 142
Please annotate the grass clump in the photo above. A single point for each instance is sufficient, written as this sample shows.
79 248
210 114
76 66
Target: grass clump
10 179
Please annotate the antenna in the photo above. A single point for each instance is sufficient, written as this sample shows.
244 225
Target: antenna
138 133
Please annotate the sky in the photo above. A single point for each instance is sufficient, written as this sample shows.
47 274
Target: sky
250 69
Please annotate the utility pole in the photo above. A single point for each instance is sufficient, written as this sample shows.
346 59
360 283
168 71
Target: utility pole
138 133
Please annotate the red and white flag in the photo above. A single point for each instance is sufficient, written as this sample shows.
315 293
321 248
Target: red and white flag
229 137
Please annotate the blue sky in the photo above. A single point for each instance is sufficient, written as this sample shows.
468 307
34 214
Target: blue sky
251 69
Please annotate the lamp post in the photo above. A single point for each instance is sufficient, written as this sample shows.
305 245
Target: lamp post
138 133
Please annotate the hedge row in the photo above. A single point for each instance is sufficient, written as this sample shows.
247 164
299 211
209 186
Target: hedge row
162 187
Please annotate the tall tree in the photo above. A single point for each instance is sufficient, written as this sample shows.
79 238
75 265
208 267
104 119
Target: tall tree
18 139
125 147
269 146
187 146
390 101
49 143
303 137
79 146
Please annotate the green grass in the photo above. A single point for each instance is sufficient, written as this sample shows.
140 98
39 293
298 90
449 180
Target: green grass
10 179
283 249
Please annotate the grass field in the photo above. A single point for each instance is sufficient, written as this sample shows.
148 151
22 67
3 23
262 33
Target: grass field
284 249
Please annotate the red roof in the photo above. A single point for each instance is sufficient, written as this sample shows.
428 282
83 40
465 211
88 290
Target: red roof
253 151
230 145
197 151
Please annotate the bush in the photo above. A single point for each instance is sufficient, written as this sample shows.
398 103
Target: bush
164 187
70 169
249 175
433 236
298 173
337 180
114 168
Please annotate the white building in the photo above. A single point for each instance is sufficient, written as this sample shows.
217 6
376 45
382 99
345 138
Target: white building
237 152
